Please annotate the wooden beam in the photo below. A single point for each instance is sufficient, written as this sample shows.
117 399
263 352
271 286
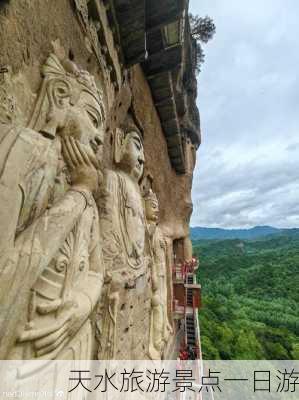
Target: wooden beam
164 60
159 10
130 18
165 20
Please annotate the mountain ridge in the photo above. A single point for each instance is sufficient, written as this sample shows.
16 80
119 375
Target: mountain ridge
259 231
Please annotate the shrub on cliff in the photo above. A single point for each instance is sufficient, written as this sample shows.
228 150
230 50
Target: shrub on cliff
202 29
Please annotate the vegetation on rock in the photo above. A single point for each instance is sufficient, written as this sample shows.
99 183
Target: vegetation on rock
202 30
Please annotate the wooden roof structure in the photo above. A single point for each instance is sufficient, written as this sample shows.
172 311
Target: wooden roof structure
156 33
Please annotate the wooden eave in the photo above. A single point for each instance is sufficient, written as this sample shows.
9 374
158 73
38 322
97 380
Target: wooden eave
164 60
130 16
141 26
162 12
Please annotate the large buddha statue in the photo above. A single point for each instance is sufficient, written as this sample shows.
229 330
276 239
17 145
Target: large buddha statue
51 269
124 216
125 311
160 327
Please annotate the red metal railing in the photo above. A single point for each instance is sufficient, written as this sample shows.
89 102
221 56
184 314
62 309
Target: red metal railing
180 272
182 269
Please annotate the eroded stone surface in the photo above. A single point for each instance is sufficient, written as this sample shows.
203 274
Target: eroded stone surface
51 264
160 326
85 261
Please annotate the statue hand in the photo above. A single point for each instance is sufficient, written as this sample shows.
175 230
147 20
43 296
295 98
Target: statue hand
50 340
82 167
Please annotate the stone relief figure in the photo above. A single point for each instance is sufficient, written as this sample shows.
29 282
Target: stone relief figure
122 213
122 222
51 269
160 327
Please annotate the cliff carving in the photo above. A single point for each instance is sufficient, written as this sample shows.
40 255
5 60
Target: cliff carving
95 191
51 263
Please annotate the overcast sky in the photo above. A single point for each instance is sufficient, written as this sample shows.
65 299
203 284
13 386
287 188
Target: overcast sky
248 96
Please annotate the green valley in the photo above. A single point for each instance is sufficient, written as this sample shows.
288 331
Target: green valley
250 295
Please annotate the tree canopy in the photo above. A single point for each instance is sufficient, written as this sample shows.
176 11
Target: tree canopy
202 29
250 298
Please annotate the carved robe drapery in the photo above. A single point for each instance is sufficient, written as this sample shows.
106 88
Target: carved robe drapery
123 223
24 258
51 265
160 326
123 333
50 259
161 260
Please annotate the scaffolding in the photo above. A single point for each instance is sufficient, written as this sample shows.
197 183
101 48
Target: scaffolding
187 301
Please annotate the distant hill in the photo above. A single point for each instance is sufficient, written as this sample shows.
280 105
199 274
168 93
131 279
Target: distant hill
250 297
201 233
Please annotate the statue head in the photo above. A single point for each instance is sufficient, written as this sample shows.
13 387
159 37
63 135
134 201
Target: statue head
151 207
69 104
128 152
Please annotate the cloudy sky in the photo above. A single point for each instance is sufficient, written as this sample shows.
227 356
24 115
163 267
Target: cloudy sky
248 95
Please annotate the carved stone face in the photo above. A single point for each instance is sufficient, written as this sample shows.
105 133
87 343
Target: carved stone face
84 122
133 157
152 210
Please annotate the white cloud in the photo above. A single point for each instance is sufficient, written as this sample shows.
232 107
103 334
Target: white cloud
248 99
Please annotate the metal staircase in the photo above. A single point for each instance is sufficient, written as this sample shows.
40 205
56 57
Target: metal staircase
190 323
186 305
190 331
189 292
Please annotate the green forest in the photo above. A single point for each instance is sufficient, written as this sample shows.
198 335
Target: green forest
250 296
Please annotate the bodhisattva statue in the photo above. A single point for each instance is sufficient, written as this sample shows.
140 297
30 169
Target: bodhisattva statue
51 268
123 229
160 327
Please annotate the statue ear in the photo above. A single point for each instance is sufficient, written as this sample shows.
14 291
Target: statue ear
118 145
59 93
59 97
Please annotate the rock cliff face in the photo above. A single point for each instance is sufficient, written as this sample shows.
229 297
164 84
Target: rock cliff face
98 137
